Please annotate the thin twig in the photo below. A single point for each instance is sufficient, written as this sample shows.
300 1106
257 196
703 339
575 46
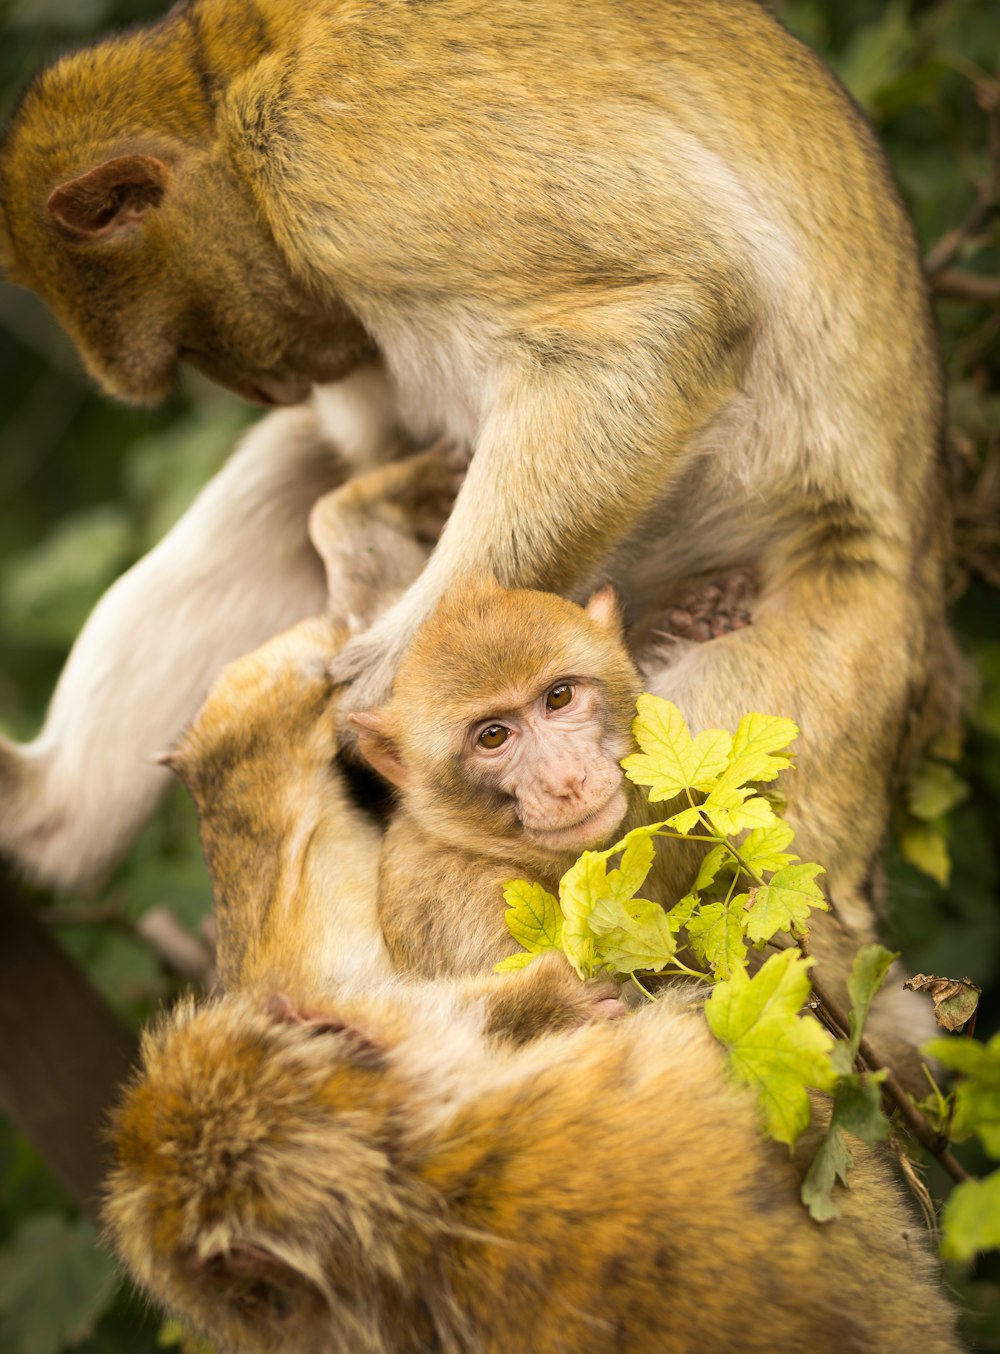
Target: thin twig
946 249
960 285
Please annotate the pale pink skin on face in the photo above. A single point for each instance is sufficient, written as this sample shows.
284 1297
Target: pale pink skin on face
552 756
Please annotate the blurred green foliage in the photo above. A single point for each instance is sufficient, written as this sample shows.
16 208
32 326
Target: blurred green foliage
86 486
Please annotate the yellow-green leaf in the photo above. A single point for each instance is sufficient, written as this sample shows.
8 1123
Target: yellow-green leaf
933 790
764 848
971 1220
784 904
716 936
925 846
632 935
772 1046
671 760
583 884
730 811
756 741
868 972
513 962
533 916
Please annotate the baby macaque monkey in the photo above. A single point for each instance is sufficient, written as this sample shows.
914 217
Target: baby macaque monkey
380 1176
509 716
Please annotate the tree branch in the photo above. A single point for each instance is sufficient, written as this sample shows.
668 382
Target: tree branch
63 1052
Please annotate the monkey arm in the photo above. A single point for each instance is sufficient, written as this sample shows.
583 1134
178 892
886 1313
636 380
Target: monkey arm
237 567
588 429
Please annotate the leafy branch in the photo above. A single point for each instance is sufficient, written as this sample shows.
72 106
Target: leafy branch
784 1033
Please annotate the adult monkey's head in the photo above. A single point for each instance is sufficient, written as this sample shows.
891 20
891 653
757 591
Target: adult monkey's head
124 209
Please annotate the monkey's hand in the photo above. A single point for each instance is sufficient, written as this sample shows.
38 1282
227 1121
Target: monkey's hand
369 661
545 997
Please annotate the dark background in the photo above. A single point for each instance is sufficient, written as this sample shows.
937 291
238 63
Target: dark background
87 486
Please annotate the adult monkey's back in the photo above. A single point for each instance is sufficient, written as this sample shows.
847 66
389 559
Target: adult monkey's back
654 269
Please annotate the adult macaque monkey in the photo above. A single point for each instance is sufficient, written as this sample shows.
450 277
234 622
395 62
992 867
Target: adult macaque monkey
659 280
378 1176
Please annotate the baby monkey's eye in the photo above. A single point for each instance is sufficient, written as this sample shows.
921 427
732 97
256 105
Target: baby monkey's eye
559 696
494 737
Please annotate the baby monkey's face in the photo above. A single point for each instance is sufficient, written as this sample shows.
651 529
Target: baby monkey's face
554 754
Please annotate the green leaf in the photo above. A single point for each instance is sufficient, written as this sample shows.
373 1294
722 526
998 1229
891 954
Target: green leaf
857 1109
756 741
632 935
514 962
933 790
977 1096
533 916
680 914
971 1219
716 862
671 760
54 1285
733 808
583 885
772 1046
764 848
716 936
868 973
590 882
925 846
175 1335
785 903
830 1164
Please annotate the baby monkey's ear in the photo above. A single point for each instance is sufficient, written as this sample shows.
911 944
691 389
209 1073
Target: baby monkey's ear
378 746
604 609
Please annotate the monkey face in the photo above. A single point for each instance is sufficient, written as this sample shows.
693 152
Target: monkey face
555 758
510 712
150 259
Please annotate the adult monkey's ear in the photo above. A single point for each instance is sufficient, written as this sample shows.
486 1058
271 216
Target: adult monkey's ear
111 199
378 746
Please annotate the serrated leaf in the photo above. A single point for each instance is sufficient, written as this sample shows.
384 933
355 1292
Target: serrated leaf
670 760
716 862
785 903
971 1219
772 1046
925 846
977 1096
583 885
831 1163
715 934
514 962
933 790
764 848
533 917
680 914
868 973
632 935
55 1283
636 862
686 820
732 809
757 740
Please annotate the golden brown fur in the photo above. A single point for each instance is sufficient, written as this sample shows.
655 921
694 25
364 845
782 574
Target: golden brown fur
455 841
387 1179
659 279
